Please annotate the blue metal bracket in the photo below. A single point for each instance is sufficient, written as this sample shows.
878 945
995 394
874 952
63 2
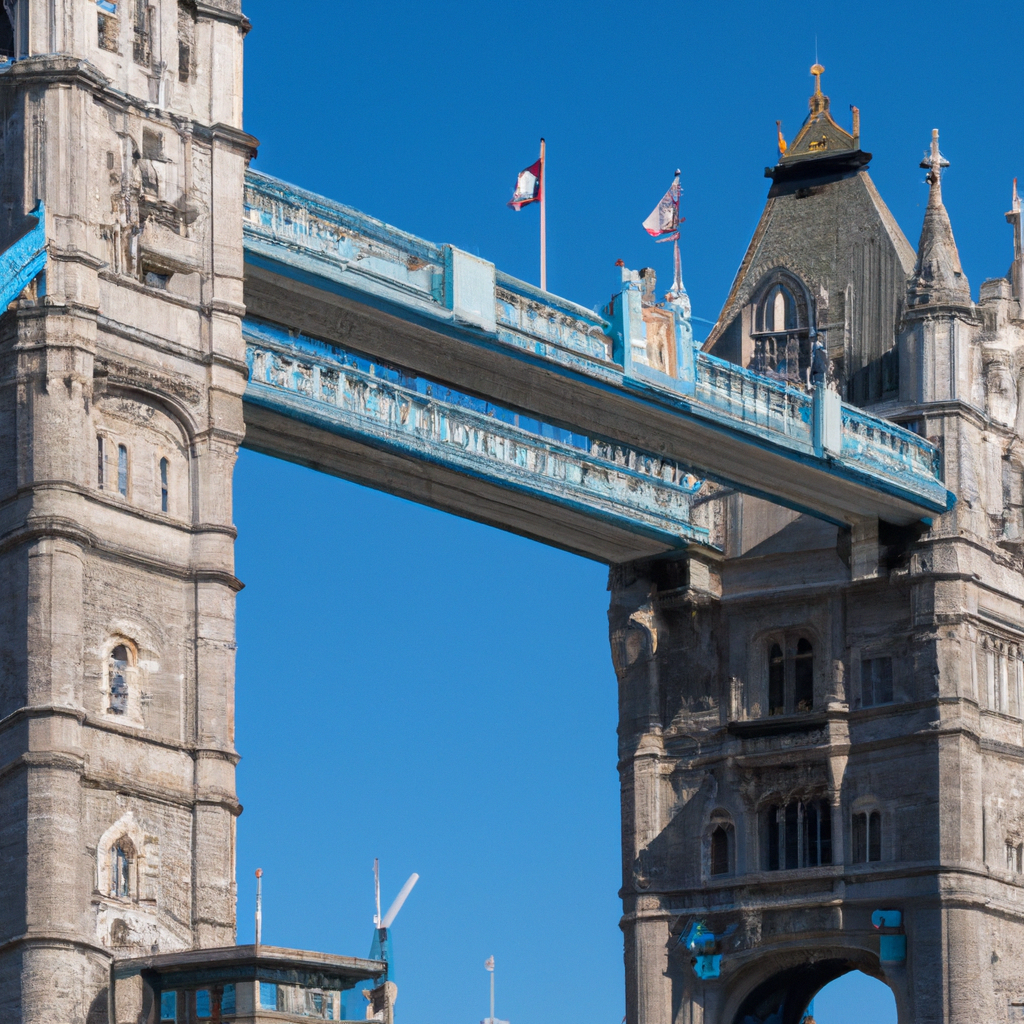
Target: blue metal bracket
23 261
703 943
892 943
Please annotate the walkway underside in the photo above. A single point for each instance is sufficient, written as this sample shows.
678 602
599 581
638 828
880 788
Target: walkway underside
419 370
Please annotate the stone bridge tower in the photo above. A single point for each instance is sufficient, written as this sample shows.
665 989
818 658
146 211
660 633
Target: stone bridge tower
121 374
821 754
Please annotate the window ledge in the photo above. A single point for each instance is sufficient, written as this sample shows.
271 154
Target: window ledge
776 725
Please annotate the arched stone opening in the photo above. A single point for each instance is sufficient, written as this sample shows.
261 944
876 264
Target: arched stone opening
784 997
855 997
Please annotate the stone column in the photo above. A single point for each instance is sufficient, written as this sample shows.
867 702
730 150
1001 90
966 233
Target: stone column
635 632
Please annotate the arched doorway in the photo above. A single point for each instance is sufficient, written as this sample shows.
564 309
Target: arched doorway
853 998
840 992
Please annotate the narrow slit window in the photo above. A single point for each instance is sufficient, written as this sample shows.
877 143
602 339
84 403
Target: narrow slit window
99 462
163 485
120 871
825 832
774 814
803 676
792 835
811 836
119 662
776 681
860 838
874 836
122 470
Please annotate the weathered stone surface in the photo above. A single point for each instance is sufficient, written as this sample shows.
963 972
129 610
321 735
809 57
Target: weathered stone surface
873 678
120 417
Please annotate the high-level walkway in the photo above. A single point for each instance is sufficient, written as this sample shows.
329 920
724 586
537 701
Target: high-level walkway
422 370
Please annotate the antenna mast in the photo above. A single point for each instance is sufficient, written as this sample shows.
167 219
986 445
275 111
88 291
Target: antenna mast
376 890
259 905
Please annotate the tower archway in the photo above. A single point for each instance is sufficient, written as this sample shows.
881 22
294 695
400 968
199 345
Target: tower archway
784 995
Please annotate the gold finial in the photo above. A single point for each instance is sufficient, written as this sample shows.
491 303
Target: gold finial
817 70
782 141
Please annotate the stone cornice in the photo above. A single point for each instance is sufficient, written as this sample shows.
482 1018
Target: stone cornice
61 69
214 13
50 527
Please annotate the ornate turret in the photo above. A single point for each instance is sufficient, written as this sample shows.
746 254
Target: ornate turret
938 278
821 148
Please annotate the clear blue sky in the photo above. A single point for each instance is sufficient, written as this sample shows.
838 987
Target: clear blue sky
437 693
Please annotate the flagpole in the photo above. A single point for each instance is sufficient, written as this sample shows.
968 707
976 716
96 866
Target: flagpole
677 283
543 223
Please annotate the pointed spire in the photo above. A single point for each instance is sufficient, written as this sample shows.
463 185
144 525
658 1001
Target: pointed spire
1013 219
938 277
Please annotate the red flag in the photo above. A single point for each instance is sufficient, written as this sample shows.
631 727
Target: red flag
527 187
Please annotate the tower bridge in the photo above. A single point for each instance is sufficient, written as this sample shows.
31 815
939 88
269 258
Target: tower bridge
820 653
620 446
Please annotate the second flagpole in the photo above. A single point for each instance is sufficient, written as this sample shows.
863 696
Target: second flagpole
543 221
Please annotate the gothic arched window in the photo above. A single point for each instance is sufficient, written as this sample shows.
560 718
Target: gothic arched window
721 850
779 310
776 681
867 837
799 834
122 658
121 869
803 676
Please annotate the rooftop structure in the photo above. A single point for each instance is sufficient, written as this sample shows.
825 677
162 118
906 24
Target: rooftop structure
827 262
241 984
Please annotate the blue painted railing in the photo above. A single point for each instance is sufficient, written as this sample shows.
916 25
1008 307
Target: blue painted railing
23 261
336 248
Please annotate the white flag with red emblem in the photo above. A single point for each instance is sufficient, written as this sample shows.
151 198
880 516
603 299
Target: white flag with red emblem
663 223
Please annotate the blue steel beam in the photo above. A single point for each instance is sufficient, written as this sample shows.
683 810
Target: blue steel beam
453 317
23 261
388 409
